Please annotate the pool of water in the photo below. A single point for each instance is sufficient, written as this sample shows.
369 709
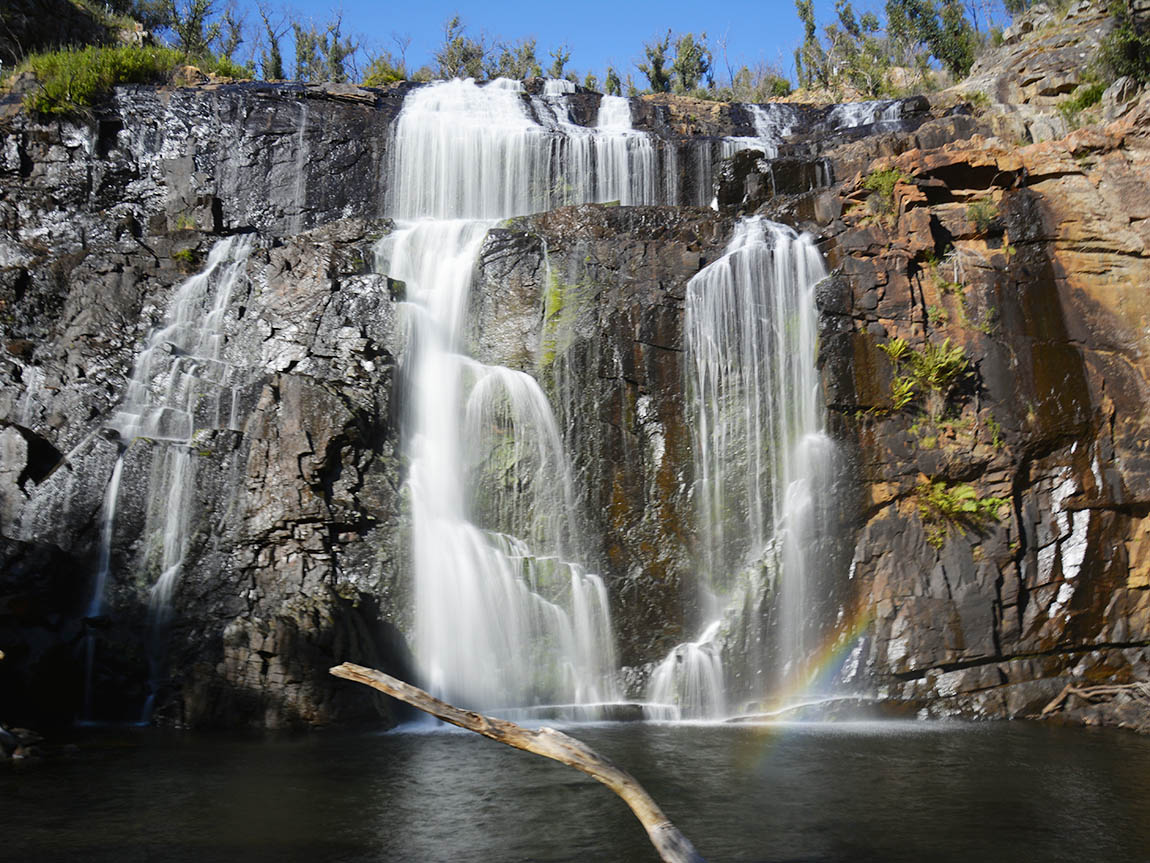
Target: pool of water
1007 792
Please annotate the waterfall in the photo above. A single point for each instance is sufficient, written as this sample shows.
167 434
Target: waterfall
558 87
505 615
99 587
851 115
691 677
761 454
180 386
302 155
625 158
465 151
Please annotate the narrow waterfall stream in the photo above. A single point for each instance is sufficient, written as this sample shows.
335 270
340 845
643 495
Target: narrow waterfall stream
761 455
180 386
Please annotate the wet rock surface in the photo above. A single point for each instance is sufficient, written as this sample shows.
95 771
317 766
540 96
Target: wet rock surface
590 300
1031 259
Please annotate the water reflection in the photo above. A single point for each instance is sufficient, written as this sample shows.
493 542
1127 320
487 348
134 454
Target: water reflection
817 792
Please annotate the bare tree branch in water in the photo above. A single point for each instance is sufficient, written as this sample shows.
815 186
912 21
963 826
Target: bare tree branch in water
673 846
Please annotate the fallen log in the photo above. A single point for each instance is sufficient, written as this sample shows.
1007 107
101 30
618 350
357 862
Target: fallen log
673 846
1137 691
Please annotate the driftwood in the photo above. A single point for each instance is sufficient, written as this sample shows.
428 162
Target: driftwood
673 846
1138 691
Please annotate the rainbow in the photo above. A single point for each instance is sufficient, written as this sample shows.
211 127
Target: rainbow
821 666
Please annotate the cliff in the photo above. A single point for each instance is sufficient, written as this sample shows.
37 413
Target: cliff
941 229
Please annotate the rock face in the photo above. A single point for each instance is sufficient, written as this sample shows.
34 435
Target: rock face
609 349
983 352
1034 262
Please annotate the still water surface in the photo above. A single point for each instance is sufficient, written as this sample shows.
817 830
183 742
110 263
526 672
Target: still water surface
815 792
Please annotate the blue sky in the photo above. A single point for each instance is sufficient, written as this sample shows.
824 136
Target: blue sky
597 32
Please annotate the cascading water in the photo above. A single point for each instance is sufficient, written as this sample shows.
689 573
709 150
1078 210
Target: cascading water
851 115
504 618
625 158
100 585
465 151
761 455
690 679
181 385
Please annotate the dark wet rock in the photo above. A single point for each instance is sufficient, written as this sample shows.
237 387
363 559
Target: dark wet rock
1032 259
610 357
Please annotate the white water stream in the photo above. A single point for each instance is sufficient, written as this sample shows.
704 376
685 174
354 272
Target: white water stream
180 386
761 455
505 615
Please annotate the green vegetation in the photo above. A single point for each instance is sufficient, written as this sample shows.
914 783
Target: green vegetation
897 349
881 184
988 326
898 47
186 260
901 392
995 432
978 100
943 506
657 66
940 367
935 370
561 304
460 55
1126 49
321 53
983 214
383 70
1084 98
72 80
865 56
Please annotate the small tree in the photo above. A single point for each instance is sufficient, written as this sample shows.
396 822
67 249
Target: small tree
308 66
460 55
560 57
810 58
191 23
231 33
913 28
955 44
1125 50
658 76
514 60
337 49
271 58
858 58
612 86
383 70
692 62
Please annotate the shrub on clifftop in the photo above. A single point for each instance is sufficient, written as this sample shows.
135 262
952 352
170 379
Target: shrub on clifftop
72 80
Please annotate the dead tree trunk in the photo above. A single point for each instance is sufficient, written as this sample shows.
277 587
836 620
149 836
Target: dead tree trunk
673 846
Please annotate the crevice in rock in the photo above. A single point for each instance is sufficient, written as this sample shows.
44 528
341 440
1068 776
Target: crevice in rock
43 458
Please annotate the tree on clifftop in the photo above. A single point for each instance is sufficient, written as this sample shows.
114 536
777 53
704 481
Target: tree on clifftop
460 56
692 62
655 67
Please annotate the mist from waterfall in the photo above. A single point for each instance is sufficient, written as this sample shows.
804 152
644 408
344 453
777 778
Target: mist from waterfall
762 457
